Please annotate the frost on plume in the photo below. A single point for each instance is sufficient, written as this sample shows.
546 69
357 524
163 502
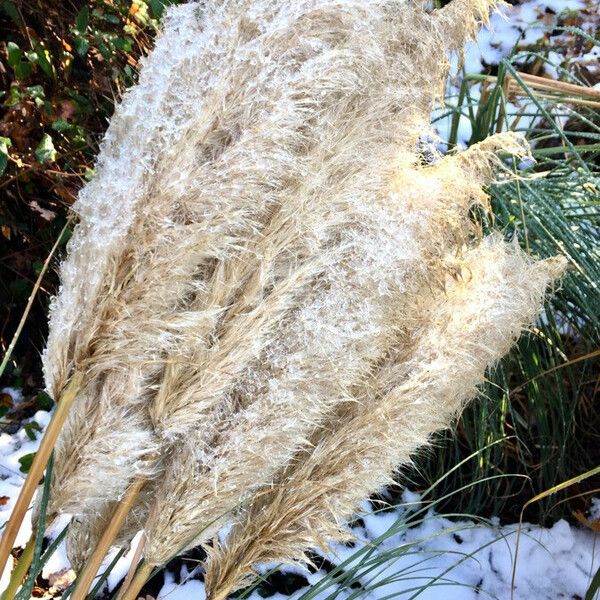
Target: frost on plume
272 302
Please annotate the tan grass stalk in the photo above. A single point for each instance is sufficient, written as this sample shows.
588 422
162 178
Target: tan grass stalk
498 294
562 87
87 575
135 563
568 93
65 400
20 571
141 576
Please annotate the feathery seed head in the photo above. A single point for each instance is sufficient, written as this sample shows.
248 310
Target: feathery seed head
265 286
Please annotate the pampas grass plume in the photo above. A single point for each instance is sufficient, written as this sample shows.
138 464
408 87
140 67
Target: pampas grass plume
469 327
273 284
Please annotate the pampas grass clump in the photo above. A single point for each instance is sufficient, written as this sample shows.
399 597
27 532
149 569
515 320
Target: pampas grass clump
270 301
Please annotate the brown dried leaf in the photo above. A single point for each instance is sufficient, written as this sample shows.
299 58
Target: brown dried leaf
593 525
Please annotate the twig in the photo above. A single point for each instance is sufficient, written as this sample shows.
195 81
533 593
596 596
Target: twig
137 555
32 296
568 93
543 83
141 576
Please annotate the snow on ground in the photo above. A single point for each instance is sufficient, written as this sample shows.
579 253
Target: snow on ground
463 559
